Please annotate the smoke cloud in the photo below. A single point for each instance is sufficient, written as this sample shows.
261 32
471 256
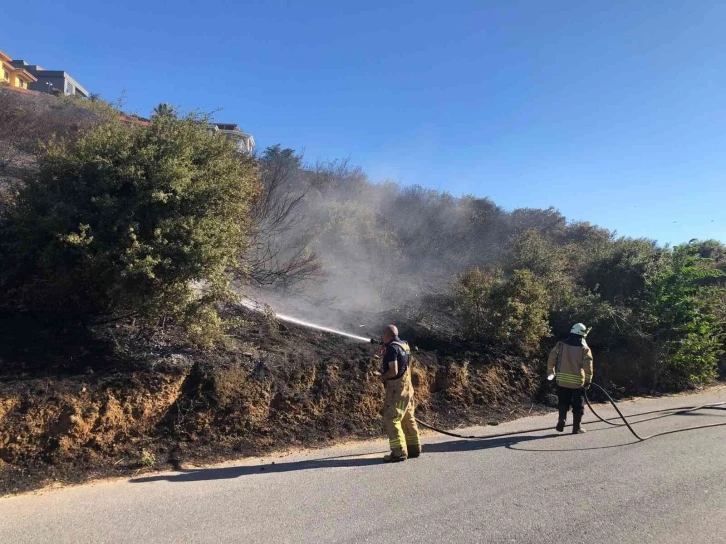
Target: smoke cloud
381 246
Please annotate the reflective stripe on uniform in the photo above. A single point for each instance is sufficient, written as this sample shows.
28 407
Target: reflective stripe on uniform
574 378
570 383
400 410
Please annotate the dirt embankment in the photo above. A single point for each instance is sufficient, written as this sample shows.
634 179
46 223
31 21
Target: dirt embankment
266 391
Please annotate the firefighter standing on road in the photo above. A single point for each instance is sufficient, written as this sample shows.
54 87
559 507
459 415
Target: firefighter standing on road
571 361
398 406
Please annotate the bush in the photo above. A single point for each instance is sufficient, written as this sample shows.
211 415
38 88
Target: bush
660 311
621 274
128 220
473 290
146 459
508 311
685 326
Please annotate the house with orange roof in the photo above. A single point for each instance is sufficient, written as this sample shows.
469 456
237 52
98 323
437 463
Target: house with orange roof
14 76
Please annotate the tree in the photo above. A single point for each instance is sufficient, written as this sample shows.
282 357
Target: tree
128 220
280 254
622 272
549 221
165 110
713 250
687 332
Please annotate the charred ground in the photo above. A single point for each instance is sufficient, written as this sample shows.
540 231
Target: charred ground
70 412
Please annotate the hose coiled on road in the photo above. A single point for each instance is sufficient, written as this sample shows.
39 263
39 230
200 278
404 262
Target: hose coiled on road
684 410
609 421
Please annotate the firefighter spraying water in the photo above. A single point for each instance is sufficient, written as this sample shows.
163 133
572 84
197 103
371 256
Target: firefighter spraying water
398 406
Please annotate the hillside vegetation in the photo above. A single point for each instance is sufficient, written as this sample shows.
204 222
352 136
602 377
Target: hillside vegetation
466 269
126 248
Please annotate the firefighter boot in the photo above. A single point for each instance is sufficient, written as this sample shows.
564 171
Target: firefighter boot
576 421
562 420
393 457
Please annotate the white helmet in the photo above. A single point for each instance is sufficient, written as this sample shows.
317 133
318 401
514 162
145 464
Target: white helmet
579 329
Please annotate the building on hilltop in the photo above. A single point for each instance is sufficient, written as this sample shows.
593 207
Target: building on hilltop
134 120
15 76
245 142
51 81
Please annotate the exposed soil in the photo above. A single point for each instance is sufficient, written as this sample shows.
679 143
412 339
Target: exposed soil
68 416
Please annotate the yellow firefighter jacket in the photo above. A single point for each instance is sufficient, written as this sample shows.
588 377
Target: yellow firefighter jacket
572 364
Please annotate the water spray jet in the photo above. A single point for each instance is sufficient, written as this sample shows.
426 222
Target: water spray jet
253 305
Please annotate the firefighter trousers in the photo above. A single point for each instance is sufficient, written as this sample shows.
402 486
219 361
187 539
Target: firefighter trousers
567 398
398 417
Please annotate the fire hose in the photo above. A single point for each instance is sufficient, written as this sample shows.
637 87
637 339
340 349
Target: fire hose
625 423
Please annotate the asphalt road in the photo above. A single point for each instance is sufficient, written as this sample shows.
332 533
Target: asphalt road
544 488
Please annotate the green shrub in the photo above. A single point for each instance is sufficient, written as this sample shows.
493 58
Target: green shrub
129 220
146 459
550 263
473 289
684 321
509 311
621 273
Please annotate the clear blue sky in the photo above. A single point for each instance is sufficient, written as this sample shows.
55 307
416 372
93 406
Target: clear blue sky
613 112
